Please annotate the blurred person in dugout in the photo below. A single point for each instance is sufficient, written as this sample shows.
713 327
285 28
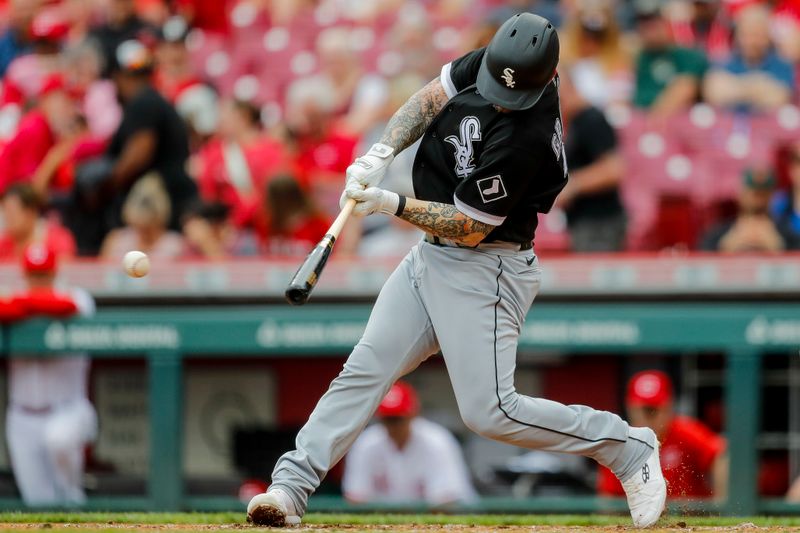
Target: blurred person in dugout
668 76
591 200
753 229
49 420
22 224
406 458
693 457
755 78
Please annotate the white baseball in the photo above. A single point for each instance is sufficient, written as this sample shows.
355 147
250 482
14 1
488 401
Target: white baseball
136 264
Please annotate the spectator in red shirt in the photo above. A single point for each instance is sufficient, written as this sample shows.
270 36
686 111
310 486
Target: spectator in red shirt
693 457
235 167
322 150
54 117
20 211
295 224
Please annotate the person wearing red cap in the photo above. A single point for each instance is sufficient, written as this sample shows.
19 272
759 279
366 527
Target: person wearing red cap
693 457
15 38
49 419
406 458
52 121
47 32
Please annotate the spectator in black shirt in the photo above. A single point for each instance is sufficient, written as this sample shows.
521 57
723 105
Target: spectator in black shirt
595 217
122 24
151 136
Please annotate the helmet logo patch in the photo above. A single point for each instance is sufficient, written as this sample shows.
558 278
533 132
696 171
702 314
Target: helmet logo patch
508 77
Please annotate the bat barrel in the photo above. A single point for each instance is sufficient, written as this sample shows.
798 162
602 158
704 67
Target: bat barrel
305 279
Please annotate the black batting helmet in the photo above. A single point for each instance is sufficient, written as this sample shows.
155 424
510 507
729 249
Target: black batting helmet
519 62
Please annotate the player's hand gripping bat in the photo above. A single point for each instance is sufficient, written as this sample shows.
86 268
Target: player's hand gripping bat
307 275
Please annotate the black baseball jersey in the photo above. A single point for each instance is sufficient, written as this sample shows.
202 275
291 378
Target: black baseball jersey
496 167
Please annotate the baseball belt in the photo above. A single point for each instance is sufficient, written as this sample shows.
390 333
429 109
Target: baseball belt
494 245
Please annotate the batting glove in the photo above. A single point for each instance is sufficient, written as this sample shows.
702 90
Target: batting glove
374 200
352 185
369 169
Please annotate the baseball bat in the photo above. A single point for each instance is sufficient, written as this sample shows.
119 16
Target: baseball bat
306 277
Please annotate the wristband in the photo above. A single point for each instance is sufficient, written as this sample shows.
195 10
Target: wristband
380 150
401 206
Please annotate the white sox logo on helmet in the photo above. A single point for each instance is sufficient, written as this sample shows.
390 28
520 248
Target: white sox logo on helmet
508 77
469 131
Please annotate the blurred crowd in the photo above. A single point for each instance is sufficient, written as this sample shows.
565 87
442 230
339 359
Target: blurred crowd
221 128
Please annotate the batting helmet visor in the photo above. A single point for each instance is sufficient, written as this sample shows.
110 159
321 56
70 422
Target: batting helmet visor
519 62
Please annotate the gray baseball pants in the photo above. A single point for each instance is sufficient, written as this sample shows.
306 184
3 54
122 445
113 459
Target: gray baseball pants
470 304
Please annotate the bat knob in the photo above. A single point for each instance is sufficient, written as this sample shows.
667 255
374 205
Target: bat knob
296 295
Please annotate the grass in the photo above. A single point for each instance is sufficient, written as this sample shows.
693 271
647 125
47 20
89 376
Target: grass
352 523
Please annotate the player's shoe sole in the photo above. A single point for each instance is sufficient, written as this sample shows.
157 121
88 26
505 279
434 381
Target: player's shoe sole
269 509
647 491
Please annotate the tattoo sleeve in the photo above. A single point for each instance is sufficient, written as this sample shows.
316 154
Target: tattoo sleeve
410 121
445 221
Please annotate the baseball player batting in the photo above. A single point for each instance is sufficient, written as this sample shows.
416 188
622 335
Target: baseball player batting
491 159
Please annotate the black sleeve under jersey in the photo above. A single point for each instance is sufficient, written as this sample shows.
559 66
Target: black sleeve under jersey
496 185
462 72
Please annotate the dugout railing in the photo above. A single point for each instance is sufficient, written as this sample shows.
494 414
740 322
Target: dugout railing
165 336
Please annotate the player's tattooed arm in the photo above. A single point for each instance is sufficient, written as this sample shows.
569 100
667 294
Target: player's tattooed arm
445 221
410 121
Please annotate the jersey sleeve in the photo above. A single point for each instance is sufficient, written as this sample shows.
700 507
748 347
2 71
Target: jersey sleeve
462 72
496 184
